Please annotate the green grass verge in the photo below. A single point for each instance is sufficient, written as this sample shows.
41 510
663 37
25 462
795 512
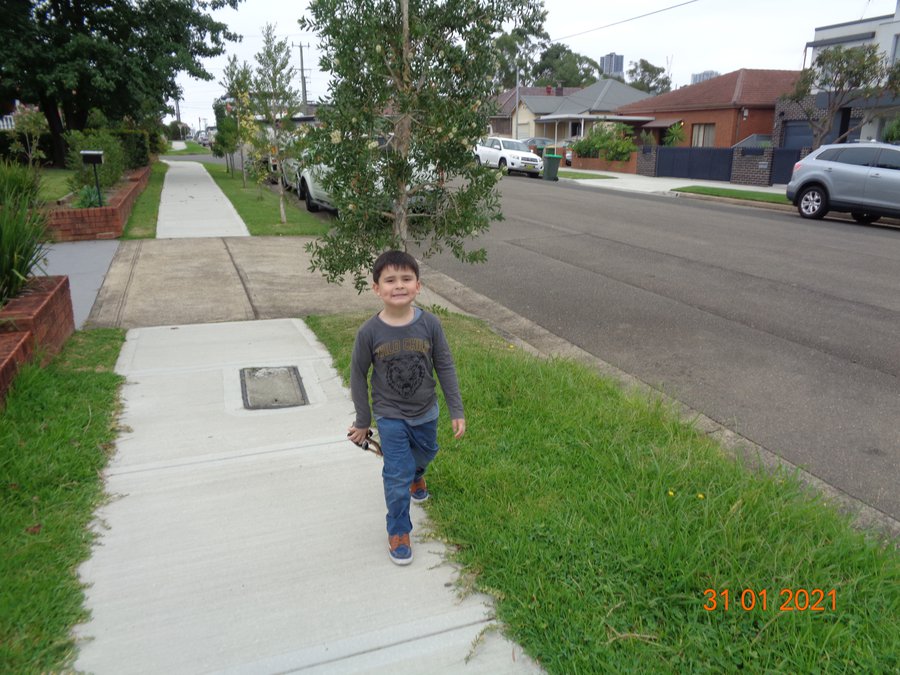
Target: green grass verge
145 214
258 207
580 175
597 519
55 183
193 148
748 195
56 434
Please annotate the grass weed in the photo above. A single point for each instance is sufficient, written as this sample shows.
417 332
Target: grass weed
258 207
56 434
581 175
145 214
597 519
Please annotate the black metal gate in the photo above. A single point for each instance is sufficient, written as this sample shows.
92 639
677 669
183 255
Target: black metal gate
783 160
701 163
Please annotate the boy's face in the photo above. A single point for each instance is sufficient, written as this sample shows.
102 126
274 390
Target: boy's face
397 287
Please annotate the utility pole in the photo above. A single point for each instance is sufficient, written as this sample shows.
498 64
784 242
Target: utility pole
302 79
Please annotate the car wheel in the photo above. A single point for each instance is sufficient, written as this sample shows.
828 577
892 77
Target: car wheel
813 202
477 160
311 206
535 175
865 218
502 165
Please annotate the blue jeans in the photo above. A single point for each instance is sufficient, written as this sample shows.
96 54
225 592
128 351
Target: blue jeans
408 450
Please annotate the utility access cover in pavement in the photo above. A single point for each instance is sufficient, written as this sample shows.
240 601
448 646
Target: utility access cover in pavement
272 387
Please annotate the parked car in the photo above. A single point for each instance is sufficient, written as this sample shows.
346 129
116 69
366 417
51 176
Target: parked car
862 179
508 153
290 173
311 190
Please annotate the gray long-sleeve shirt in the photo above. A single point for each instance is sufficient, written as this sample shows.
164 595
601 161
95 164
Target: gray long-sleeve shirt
403 360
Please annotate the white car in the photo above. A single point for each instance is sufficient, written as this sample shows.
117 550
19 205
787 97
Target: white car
510 154
310 189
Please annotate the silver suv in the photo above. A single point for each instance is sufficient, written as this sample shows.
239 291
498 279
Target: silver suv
860 178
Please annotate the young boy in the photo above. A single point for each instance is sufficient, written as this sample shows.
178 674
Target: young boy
404 346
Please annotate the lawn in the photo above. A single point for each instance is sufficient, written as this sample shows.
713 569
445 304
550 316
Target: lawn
143 219
258 207
748 195
56 433
55 183
613 535
580 175
193 148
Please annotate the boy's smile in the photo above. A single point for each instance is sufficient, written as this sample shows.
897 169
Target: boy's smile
397 288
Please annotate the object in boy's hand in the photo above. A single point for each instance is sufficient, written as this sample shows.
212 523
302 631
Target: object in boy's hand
370 444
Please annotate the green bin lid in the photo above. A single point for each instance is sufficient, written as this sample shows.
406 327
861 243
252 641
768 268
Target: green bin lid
554 156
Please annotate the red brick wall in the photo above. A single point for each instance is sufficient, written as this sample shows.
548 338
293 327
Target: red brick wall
44 310
105 222
15 349
627 166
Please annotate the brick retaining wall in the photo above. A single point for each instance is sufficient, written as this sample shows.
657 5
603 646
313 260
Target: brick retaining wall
594 164
105 222
38 321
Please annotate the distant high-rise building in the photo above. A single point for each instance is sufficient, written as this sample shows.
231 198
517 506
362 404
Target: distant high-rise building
613 65
704 76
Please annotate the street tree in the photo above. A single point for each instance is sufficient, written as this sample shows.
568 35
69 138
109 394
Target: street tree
517 55
237 80
276 102
117 56
560 66
846 77
645 76
408 98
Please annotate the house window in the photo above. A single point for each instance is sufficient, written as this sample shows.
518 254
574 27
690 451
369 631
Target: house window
896 57
704 136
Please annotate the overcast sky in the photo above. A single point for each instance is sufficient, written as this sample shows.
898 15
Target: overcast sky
684 36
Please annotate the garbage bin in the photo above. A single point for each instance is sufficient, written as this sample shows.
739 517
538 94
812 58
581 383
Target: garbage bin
551 166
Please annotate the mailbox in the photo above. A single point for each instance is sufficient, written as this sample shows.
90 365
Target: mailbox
92 156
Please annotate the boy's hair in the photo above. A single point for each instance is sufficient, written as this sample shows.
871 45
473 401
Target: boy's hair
399 259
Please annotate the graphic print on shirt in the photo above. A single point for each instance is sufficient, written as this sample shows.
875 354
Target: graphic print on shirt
405 373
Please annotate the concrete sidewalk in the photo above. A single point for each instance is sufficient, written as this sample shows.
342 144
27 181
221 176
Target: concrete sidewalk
252 540
192 205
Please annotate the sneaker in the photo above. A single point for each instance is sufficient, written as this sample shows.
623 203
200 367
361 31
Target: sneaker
401 551
418 492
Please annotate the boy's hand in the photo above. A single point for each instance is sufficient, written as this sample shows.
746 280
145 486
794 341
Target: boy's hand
358 435
459 427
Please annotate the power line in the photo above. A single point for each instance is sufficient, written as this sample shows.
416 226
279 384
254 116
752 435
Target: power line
634 18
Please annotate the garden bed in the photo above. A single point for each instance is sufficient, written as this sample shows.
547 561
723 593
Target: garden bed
105 222
37 322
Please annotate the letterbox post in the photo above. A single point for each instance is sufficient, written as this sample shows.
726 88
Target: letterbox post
94 157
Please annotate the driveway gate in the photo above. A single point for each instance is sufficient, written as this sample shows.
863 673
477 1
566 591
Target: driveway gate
783 160
701 163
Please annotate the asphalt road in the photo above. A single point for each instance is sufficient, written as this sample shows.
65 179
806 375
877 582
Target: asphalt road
784 330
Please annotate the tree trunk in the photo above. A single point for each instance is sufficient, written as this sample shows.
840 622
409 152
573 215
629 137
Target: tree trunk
403 132
281 201
51 112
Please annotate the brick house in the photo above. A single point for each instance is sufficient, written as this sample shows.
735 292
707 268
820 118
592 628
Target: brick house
717 113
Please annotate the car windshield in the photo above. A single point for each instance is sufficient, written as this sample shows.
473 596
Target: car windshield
515 145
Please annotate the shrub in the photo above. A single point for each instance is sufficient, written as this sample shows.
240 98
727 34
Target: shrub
136 145
675 135
892 131
18 179
22 233
610 142
113 158
87 198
